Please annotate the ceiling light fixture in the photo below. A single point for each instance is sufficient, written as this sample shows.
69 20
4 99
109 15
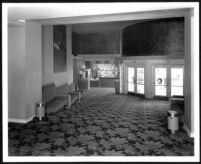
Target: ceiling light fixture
22 20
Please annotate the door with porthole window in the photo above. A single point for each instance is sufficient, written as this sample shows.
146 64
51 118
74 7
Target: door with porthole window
168 81
136 80
161 81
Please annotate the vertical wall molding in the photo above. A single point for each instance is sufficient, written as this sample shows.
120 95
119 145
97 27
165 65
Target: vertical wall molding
189 72
188 131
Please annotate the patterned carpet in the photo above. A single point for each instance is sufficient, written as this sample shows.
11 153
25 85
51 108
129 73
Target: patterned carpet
102 124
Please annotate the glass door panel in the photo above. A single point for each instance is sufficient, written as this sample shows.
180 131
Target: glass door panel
177 81
140 80
131 76
131 87
161 81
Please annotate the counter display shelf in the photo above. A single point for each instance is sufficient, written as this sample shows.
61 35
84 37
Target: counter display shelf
103 82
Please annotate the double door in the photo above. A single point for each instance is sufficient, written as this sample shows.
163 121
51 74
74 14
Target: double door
136 80
168 81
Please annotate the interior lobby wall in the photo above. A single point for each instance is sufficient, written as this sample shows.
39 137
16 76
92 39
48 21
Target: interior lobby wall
155 37
98 43
47 57
33 68
16 72
24 71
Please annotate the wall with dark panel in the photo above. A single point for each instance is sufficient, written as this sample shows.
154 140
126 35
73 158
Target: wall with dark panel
156 37
48 75
97 43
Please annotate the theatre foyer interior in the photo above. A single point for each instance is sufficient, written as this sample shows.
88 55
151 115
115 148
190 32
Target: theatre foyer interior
108 84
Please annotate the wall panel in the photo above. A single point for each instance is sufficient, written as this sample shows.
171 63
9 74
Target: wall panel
156 37
99 43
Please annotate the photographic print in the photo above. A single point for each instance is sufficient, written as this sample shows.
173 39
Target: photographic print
127 90
59 43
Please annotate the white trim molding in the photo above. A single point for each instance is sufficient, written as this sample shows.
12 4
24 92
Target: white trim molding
157 57
98 56
24 121
137 15
188 131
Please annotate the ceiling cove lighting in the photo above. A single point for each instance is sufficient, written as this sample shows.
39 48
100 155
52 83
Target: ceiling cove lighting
22 20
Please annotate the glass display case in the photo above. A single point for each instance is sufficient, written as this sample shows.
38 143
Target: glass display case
105 70
100 73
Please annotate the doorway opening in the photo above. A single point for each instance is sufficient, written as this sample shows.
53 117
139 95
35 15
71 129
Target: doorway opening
168 81
136 80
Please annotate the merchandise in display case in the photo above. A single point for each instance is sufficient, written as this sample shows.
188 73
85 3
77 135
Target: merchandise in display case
105 70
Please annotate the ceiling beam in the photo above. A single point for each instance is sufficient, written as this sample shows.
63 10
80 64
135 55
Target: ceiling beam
154 14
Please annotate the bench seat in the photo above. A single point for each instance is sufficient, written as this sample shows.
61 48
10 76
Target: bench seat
56 104
53 102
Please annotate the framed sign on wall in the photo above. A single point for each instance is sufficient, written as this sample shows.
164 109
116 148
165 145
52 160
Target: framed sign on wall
59 45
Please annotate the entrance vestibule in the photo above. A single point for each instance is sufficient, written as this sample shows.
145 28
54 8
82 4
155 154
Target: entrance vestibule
153 78
168 81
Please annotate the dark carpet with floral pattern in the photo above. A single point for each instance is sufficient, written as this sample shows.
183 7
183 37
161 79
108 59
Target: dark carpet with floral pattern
102 124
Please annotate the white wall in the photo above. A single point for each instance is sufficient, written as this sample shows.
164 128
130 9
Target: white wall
24 71
25 68
33 67
47 58
16 72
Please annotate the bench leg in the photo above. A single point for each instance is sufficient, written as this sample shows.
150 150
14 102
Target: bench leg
79 97
69 102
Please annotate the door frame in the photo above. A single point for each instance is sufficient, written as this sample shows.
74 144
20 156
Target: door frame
167 80
135 66
168 66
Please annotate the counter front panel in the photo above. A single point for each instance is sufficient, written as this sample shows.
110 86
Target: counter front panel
107 82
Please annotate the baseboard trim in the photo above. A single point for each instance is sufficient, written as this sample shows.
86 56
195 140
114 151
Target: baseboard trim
24 121
188 131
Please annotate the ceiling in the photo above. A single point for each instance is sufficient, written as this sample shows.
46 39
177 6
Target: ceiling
18 11
50 13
